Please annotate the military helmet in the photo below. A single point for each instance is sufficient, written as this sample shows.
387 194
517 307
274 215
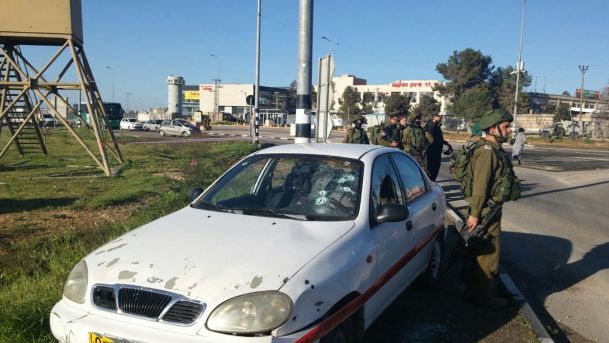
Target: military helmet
360 117
495 117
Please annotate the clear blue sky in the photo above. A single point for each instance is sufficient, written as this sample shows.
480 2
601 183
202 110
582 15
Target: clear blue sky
381 41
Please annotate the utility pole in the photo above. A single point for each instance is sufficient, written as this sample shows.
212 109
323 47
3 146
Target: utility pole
303 88
519 65
112 82
217 87
583 69
257 88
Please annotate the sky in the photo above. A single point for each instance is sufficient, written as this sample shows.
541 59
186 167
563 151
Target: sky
144 41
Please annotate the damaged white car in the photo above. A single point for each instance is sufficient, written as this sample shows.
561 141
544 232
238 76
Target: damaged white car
295 243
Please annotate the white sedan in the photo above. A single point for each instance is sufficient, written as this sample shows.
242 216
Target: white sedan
130 124
295 243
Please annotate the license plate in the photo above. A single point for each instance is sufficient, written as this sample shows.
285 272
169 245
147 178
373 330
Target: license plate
98 338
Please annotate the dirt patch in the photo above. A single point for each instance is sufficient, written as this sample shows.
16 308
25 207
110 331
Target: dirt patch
21 226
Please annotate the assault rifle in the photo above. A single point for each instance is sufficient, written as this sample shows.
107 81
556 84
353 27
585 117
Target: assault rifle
480 234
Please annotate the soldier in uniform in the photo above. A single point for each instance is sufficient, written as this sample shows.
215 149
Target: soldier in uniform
356 134
390 136
415 140
493 179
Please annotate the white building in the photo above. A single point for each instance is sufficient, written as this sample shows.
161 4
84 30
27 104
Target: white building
412 88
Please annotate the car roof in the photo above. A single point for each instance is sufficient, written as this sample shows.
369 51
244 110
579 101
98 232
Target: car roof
354 151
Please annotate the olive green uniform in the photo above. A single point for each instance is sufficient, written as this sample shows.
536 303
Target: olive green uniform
390 134
414 142
492 173
356 135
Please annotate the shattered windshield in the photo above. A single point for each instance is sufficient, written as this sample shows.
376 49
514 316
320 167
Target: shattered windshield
302 187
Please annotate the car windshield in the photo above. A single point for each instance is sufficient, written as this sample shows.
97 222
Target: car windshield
302 187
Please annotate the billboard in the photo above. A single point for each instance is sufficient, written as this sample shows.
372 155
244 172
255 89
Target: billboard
588 94
191 95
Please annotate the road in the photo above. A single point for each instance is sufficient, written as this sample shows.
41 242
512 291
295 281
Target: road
555 243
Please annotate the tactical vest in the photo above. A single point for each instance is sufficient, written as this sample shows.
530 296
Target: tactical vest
415 138
356 136
506 189
375 133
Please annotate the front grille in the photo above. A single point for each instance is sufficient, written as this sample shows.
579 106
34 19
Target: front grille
141 302
147 303
184 312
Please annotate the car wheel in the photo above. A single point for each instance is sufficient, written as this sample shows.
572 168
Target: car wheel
434 267
146 129
162 133
341 334
184 134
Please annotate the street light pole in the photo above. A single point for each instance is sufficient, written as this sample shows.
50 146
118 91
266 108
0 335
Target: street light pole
112 82
519 65
217 86
331 43
583 69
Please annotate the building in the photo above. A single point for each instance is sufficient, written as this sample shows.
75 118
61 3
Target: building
190 100
414 89
175 85
547 103
232 101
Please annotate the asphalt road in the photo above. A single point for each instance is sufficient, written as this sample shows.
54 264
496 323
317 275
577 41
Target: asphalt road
555 242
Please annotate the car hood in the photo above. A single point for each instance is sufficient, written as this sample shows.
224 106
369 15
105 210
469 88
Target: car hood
205 254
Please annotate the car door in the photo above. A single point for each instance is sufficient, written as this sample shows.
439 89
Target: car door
422 204
393 240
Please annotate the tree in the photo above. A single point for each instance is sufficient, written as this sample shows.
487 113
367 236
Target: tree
473 103
367 101
502 85
397 103
562 112
464 70
566 93
349 102
428 106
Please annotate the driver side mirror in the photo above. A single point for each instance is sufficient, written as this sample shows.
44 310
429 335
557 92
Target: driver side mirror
194 193
392 213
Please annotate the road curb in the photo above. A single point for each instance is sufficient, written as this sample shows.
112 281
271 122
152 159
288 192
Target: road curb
527 311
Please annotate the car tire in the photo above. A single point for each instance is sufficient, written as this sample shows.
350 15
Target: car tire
184 134
432 274
162 133
146 129
341 334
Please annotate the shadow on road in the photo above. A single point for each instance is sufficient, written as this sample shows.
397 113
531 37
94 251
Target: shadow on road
562 189
548 270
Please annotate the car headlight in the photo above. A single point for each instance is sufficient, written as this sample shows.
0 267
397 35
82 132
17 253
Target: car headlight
76 284
251 313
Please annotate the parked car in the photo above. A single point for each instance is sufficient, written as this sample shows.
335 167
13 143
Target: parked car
284 239
152 124
130 124
177 128
48 120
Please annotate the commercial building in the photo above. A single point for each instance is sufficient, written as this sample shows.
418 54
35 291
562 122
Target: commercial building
190 100
414 89
232 101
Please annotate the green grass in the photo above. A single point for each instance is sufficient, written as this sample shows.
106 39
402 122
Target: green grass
33 270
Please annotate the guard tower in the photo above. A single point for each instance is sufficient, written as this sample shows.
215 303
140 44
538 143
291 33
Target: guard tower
54 26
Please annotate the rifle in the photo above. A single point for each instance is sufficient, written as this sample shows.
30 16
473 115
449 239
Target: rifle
480 234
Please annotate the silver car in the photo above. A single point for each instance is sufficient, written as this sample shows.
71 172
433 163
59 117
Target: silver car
152 124
177 128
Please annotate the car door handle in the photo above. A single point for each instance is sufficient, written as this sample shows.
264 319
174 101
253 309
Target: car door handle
433 206
409 225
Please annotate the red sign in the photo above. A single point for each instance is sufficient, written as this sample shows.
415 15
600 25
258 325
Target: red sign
399 84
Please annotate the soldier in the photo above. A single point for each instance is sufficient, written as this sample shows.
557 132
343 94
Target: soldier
493 183
356 134
415 140
434 150
390 136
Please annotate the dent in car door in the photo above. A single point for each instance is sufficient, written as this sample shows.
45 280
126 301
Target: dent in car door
392 240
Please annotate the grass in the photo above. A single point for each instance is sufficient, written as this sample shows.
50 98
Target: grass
35 262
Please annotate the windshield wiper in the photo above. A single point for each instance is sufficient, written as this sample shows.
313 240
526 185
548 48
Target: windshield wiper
216 207
272 213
